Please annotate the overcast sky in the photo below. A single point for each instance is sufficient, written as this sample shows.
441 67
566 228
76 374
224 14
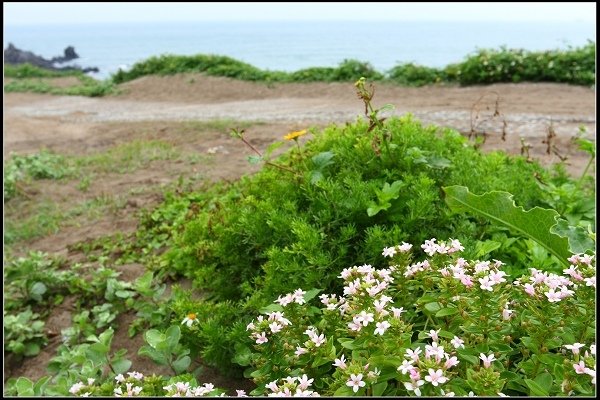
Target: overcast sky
61 13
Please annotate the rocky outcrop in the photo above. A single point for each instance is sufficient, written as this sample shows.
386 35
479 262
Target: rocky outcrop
13 55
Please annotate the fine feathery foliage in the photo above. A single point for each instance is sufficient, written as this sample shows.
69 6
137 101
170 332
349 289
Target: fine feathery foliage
335 202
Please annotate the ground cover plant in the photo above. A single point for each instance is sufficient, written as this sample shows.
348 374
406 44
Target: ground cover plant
493 308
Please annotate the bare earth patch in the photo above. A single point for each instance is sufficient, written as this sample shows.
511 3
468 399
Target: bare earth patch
193 114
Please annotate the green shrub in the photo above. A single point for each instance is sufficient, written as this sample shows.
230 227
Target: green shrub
278 230
410 74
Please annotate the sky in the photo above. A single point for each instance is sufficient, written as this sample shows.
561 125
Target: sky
18 13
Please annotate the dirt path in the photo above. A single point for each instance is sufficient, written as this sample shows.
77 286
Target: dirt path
194 114
528 110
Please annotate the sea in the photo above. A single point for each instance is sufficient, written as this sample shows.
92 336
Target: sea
289 46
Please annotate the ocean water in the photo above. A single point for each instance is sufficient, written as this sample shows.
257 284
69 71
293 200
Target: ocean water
289 46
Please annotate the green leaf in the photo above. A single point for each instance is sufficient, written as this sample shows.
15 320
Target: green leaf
40 386
31 349
544 380
24 387
379 388
375 208
271 308
579 239
182 364
123 293
347 343
446 311
311 294
121 366
486 247
438 162
154 337
535 389
173 334
499 207
323 160
152 353
344 391
37 290
433 307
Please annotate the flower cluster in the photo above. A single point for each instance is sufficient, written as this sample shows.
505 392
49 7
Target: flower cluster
274 323
127 387
586 363
78 387
432 367
184 389
430 247
292 386
296 297
483 274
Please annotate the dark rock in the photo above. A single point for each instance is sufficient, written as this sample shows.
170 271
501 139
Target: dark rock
13 55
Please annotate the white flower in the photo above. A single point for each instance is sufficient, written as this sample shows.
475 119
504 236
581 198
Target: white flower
355 382
458 342
389 252
318 340
76 387
300 350
592 373
553 296
413 354
241 393
304 382
340 362
397 312
406 366
487 360
285 300
364 317
436 377
414 386
381 327
450 362
119 378
91 381
486 283
189 319
574 347
275 327
593 349
404 247
136 375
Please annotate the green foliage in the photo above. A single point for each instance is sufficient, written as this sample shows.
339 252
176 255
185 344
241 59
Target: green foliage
165 349
23 333
575 66
410 74
30 71
308 221
87 86
42 165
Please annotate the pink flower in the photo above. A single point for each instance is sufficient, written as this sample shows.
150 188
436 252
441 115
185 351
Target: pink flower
261 338
414 374
355 382
486 284
436 377
451 362
397 311
497 277
458 342
553 296
355 326
487 360
574 347
506 313
466 280
434 350
434 334
275 327
300 350
413 354
580 367
529 289
318 340
592 373
590 281
340 362
304 382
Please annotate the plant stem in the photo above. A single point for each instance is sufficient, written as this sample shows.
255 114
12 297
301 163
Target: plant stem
587 167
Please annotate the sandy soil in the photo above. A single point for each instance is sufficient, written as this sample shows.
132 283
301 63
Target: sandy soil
173 109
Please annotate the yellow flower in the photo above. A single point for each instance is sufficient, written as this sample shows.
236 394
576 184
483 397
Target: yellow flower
295 134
